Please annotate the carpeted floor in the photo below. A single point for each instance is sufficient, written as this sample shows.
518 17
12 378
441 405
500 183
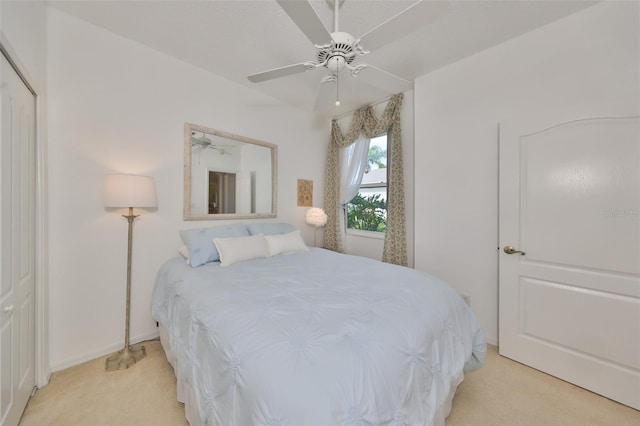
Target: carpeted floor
86 395
503 392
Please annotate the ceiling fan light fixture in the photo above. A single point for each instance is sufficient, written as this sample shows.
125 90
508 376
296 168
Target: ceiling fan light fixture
336 63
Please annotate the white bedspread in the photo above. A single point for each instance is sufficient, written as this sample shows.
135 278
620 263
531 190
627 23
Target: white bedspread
316 338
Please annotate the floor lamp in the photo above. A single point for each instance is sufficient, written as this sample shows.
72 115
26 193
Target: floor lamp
128 191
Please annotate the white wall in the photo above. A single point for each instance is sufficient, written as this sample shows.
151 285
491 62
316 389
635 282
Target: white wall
589 56
372 246
117 106
23 26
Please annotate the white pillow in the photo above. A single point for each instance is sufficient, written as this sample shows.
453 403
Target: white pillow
285 243
184 252
233 250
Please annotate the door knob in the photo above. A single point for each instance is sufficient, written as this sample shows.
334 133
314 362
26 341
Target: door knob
511 250
8 309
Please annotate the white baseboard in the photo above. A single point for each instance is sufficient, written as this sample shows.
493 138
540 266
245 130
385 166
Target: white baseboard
90 356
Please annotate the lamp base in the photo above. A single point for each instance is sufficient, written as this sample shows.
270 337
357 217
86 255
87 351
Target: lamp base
125 358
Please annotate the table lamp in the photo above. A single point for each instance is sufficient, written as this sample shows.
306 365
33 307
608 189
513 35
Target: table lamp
316 217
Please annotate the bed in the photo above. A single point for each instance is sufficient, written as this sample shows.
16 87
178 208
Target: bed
313 337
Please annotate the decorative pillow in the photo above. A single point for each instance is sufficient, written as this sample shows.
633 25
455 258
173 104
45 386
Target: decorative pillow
285 243
270 228
233 250
200 241
184 252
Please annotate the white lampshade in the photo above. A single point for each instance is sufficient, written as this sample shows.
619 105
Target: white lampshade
316 216
130 191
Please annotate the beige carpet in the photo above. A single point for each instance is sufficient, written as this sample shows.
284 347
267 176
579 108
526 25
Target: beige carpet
503 392
85 395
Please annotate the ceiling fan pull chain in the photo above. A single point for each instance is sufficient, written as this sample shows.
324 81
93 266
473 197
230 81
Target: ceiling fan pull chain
337 84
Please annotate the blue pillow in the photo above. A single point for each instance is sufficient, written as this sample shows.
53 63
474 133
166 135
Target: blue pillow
200 241
270 228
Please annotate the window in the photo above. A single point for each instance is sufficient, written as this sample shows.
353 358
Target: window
367 211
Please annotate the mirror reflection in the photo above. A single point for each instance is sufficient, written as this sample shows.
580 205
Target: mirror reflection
228 176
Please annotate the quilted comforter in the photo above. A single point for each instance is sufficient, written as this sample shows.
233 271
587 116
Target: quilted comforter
316 338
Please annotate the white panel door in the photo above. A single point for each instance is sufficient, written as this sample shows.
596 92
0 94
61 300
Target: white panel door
569 304
17 250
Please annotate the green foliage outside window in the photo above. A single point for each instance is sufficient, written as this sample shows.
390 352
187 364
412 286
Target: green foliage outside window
376 156
367 213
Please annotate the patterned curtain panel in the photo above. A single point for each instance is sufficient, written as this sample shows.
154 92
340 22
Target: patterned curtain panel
365 123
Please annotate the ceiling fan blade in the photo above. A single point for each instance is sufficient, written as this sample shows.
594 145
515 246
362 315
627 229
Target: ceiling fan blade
405 22
384 80
306 18
278 72
326 96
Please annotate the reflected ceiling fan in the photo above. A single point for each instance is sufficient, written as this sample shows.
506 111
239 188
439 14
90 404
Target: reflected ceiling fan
203 142
340 50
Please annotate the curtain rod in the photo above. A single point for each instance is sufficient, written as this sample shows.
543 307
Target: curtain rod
340 117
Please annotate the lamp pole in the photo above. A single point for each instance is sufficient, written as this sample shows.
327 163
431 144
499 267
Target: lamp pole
127 356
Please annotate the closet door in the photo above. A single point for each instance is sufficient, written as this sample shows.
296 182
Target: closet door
17 250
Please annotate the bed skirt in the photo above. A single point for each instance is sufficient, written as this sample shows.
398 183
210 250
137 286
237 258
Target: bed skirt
184 390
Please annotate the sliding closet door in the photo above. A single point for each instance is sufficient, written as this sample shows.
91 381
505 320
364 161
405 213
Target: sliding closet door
17 250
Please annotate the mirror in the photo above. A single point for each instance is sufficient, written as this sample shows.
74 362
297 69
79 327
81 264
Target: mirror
227 176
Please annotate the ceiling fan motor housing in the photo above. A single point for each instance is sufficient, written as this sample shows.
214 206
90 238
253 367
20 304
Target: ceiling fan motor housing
339 53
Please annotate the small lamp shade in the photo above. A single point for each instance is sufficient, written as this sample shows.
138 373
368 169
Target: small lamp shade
130 191
316 216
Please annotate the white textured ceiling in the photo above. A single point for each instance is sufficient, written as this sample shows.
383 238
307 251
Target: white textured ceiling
235 38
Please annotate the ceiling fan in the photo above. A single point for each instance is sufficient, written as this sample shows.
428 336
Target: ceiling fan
203 142
340 50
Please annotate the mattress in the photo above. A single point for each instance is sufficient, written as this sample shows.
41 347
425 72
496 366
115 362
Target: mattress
314 338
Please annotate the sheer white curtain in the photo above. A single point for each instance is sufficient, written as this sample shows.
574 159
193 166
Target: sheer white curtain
353 163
